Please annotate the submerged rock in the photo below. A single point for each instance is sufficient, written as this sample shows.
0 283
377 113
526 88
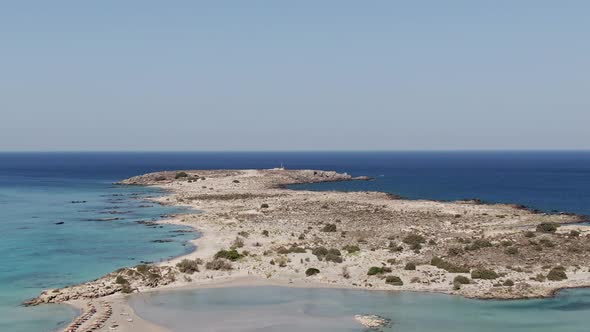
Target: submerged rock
162 241
373 322
114 212
147 223
101 219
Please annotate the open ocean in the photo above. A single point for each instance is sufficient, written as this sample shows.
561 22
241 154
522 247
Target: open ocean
54 227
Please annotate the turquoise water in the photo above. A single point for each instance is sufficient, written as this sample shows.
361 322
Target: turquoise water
293 309
55 232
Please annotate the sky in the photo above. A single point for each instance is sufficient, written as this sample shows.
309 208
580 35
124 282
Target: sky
294 75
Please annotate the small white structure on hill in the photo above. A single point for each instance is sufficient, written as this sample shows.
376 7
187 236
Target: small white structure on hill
282 168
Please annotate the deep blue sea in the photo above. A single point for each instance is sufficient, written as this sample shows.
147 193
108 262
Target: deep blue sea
54 206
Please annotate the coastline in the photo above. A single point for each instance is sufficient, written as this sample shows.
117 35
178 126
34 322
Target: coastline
212 239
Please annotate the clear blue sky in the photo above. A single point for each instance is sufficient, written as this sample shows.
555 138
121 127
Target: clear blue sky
294 75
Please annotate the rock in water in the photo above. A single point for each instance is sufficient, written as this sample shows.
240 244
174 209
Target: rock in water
372 322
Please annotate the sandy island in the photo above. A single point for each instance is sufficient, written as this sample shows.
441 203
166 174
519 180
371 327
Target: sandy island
254 231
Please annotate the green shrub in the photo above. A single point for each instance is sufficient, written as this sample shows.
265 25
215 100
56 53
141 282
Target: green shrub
351 248
414 239
547 243
511 251
282 250
311 271
334 251
160 178
142 268
373 270
153 276
265 233
329 228
557 274
232 255
447 266
236 181
331 257
320 252
463 280
529 234
539 277
394 281
455 251
547 227
282 261
508 283
218 264
297 250
238 243
188 266
121 280
484 274
264 206
126 288
180 175
574 233
410 266
394 247
574 249
478 244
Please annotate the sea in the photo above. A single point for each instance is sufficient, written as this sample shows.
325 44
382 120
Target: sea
64 221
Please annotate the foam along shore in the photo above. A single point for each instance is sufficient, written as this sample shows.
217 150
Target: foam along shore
253 226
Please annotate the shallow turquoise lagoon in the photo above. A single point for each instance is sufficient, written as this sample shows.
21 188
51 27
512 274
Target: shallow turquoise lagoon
57 231
299 309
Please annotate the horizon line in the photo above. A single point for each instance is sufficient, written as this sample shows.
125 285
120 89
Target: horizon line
298 151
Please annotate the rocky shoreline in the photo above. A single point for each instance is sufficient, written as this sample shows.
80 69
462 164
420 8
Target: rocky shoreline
252 226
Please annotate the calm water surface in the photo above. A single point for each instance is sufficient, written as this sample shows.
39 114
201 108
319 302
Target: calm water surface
292 309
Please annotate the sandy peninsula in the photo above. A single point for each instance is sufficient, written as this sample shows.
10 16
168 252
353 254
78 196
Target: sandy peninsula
255 231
